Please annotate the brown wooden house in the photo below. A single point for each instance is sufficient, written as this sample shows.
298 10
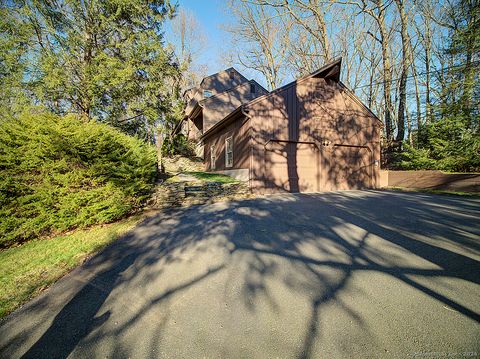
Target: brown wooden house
217 96
310 135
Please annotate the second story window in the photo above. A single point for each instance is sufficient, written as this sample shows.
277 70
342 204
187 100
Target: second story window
229 152
252 88
207 93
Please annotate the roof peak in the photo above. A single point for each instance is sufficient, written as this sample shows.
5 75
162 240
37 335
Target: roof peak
327 68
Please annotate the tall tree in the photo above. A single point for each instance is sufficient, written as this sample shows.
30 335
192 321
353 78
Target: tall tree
462 19
376 9
15 39
405 64
101 59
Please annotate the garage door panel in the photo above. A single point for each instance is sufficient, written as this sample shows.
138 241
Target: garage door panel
291 167
276 169
351 168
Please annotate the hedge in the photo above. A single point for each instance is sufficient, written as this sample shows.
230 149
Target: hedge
59 173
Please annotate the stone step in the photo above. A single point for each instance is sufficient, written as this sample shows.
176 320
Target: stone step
194 188
195 191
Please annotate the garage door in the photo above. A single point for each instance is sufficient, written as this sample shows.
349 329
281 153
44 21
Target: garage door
291 167
301 167
350 168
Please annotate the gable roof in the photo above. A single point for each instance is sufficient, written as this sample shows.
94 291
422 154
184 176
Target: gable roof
330 70
207 99
220 72
201 104
199 86
325 69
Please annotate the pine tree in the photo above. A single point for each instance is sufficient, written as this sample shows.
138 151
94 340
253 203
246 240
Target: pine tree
104 60
452 140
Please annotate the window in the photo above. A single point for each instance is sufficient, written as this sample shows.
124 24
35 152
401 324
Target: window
213 157
207 93
252 88
232 74
229 152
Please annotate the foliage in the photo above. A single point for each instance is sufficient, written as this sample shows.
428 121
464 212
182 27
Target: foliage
448 145
101 59
26 270
13 59
59 173
411 158
450 140
177 145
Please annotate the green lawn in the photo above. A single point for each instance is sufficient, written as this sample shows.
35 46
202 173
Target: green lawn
28 269
212 177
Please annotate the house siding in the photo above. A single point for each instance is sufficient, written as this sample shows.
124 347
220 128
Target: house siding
240 133
313 136
192 130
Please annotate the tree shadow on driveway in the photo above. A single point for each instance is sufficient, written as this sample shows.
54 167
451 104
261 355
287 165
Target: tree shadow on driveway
297 258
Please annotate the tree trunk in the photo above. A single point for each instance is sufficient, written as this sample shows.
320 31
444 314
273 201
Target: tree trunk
159 143
428 117
403 79
387 78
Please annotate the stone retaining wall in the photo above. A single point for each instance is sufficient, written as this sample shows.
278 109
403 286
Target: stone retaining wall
184 194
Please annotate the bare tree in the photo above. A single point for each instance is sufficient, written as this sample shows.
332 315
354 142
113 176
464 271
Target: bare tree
261 36
188 41
405 64
310 15
350 42
304 53
376 9
388 49
424 30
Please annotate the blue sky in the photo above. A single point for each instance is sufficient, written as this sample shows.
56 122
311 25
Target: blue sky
210 14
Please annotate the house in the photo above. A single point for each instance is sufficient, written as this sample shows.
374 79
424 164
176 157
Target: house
216 96
310 135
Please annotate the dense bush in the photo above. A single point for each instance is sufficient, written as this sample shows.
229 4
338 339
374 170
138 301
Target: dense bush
58 173
447 145
178 145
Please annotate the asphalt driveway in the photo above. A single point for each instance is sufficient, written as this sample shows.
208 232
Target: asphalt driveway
334 275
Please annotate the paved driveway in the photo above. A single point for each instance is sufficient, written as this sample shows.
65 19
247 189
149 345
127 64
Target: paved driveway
334 275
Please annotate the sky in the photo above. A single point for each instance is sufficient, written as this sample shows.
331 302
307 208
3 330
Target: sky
211 15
